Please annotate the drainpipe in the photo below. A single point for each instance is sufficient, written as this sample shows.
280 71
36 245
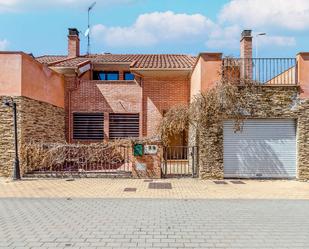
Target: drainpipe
76 81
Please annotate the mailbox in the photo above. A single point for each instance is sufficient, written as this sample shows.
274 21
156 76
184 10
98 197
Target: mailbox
138 149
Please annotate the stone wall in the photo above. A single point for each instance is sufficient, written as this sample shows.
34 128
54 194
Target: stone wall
303 141
272 102
37 122
6 138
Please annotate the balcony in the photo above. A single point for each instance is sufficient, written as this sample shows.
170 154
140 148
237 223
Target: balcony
264 71
118 96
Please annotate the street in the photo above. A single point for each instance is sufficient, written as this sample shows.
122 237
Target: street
153 223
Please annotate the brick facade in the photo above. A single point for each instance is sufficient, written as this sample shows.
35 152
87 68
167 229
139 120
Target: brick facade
147 96
159 95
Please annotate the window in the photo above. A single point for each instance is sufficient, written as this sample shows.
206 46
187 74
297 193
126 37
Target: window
104 75
128 76
88 126
123 125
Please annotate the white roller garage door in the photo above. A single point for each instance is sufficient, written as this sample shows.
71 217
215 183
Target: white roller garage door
266 148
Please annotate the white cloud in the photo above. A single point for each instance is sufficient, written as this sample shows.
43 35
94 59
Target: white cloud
288 14
224 37
282 41
272 16
160 27
152 28
21 5
4 45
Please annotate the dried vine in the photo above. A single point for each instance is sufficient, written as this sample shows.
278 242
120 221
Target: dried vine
231 98
79 157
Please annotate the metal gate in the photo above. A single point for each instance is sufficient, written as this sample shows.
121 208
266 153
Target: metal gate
180 161
81 160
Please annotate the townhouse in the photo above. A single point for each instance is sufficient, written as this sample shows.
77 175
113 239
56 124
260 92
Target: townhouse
91 98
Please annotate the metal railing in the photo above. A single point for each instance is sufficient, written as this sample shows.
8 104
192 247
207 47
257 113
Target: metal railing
77 159
266 71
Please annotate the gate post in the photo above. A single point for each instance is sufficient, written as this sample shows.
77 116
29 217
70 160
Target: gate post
165 161
193 161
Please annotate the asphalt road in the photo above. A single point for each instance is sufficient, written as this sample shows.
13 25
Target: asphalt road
153 223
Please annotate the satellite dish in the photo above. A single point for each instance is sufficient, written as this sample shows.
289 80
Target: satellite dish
87 32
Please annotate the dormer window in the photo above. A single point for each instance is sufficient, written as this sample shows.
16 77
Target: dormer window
128 76
105 75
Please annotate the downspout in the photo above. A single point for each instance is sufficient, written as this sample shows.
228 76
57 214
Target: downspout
76 83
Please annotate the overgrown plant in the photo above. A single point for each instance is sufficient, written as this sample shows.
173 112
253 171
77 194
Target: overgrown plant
77 157
232 97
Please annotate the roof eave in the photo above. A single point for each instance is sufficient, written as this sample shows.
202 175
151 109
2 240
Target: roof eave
161 69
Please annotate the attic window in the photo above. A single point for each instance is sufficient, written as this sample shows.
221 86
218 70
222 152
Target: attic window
105 75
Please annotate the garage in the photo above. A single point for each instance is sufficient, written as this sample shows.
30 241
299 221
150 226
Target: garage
265 148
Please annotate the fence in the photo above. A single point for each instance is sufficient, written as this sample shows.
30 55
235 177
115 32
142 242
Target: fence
76 158
180 161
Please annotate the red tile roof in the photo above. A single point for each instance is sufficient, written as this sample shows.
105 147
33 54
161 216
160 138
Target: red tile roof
140 61
73 62
48 59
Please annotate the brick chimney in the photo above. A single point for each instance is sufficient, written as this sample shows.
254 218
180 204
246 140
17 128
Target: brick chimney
246 54
73 43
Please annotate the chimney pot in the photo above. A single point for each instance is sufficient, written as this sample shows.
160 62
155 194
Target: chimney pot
246 33
73 31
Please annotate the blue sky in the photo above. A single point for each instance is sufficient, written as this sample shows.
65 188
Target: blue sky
156 26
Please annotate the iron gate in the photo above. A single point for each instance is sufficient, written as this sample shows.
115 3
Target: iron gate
180 161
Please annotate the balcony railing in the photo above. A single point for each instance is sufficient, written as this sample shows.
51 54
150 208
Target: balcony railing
112 81
266 71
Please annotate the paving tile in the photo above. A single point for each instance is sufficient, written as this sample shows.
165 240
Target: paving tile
220 182
237 182
186 188
160 185
129 190
153 223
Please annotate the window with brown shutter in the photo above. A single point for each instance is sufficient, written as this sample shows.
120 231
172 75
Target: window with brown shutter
123 125
88 126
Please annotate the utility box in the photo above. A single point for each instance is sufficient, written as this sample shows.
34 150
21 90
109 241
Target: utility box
151 149
138 150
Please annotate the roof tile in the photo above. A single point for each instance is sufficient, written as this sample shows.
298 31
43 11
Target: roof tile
141 61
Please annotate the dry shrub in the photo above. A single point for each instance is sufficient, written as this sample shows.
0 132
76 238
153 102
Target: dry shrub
58 157
231 98
175 121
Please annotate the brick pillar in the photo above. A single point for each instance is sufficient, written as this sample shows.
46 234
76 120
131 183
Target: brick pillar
303 74
246 54
73 43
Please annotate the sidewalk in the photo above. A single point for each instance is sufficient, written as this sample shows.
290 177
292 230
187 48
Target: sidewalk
181 189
